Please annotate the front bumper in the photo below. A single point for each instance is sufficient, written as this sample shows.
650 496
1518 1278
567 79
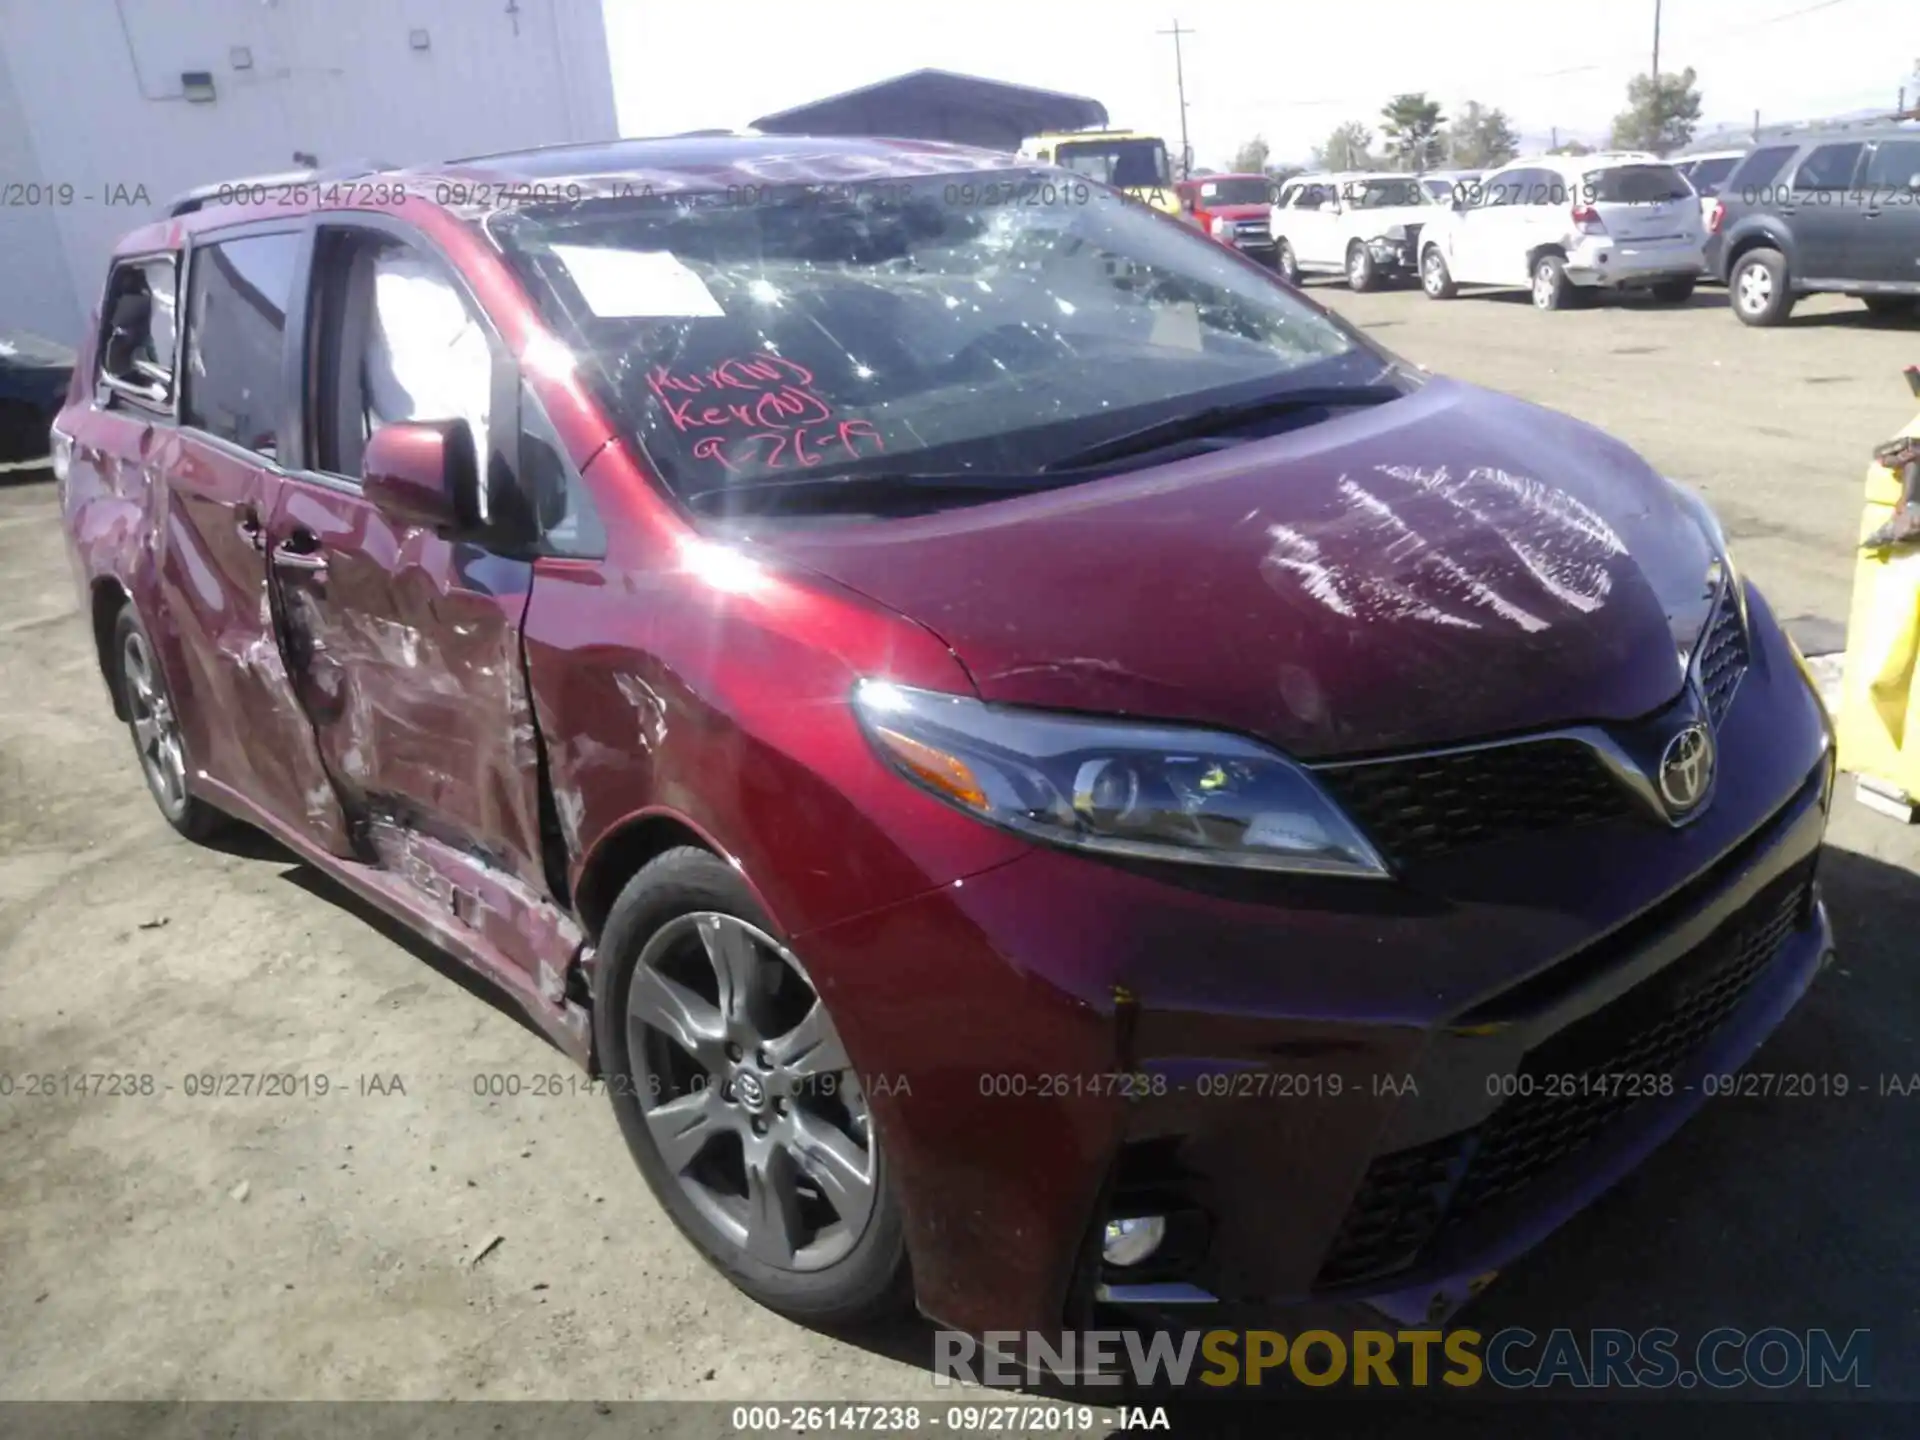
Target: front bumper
1394 256
1309 1076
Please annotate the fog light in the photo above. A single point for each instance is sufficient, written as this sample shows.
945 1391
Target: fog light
1132 1240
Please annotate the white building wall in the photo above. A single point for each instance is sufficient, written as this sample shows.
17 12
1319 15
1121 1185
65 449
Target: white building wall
90 96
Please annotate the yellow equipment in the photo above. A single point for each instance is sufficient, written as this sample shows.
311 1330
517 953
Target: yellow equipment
1879 720
1124 159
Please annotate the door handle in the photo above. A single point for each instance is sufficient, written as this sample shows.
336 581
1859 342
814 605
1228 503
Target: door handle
300 551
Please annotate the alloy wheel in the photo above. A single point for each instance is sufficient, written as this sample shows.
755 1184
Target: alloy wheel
1433 272
156 729
1755 289
748 1094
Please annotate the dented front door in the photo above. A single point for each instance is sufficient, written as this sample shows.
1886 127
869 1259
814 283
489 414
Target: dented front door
405 652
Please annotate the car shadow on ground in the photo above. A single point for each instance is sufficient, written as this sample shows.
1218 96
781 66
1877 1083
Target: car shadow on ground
1523 299
1859 318
1721 1227
246 842
24 475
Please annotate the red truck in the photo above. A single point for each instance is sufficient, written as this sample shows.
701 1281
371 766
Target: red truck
1233 209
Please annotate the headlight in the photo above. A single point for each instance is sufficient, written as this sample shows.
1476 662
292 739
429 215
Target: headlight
1221 228
1115 787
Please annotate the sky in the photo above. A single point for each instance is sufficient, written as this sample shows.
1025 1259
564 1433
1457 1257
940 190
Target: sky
1290 72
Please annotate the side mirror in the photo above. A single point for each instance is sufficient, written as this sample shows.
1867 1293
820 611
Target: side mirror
422 473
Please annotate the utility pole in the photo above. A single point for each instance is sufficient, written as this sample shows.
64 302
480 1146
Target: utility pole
1180 79
1656 47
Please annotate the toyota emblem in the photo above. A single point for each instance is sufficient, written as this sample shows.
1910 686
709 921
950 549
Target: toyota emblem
1686 768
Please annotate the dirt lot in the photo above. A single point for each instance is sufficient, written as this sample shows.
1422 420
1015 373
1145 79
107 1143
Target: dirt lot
166 1245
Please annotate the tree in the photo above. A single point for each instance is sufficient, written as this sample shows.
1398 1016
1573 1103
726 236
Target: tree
1481 138
1661 113
1412 129
1574 147
1251 158
1347 148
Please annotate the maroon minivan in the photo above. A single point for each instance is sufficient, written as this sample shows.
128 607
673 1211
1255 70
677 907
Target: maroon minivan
1040 766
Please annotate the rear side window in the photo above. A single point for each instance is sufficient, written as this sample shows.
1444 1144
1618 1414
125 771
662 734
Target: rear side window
1709 175
1762 167
1636 185
236 322
1828 167
1504 189
137 329
1894 165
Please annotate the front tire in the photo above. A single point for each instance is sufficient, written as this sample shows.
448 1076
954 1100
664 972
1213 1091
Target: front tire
154 723
1286 264
1362 273
1435 278
1758 289
738 1101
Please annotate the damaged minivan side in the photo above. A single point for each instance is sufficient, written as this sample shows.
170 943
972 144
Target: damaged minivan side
925 694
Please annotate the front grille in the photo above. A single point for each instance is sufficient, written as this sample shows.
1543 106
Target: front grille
1428 804
1581 1085
1252 230
1723 658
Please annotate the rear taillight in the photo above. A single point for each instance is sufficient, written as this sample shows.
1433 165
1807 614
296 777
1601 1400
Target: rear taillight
1716 213
1587 220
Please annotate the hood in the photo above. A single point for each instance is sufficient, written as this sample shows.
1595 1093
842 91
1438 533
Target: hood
1258 210
1378 222
1450 566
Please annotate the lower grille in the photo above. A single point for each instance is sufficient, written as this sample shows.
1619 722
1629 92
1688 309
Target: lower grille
1573 1087
1429 804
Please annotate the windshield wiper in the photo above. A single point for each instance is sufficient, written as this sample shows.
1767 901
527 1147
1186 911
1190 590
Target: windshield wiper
1214 419
889 487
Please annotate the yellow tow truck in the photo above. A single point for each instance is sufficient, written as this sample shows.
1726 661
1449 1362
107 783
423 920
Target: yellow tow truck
1125 159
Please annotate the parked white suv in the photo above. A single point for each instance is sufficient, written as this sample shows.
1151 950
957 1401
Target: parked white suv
1568 226
1363 226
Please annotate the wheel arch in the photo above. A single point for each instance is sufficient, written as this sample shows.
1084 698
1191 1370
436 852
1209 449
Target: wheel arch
625 849
1540 252
1760 237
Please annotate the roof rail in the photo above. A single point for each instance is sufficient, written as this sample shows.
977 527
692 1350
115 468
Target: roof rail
202 196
